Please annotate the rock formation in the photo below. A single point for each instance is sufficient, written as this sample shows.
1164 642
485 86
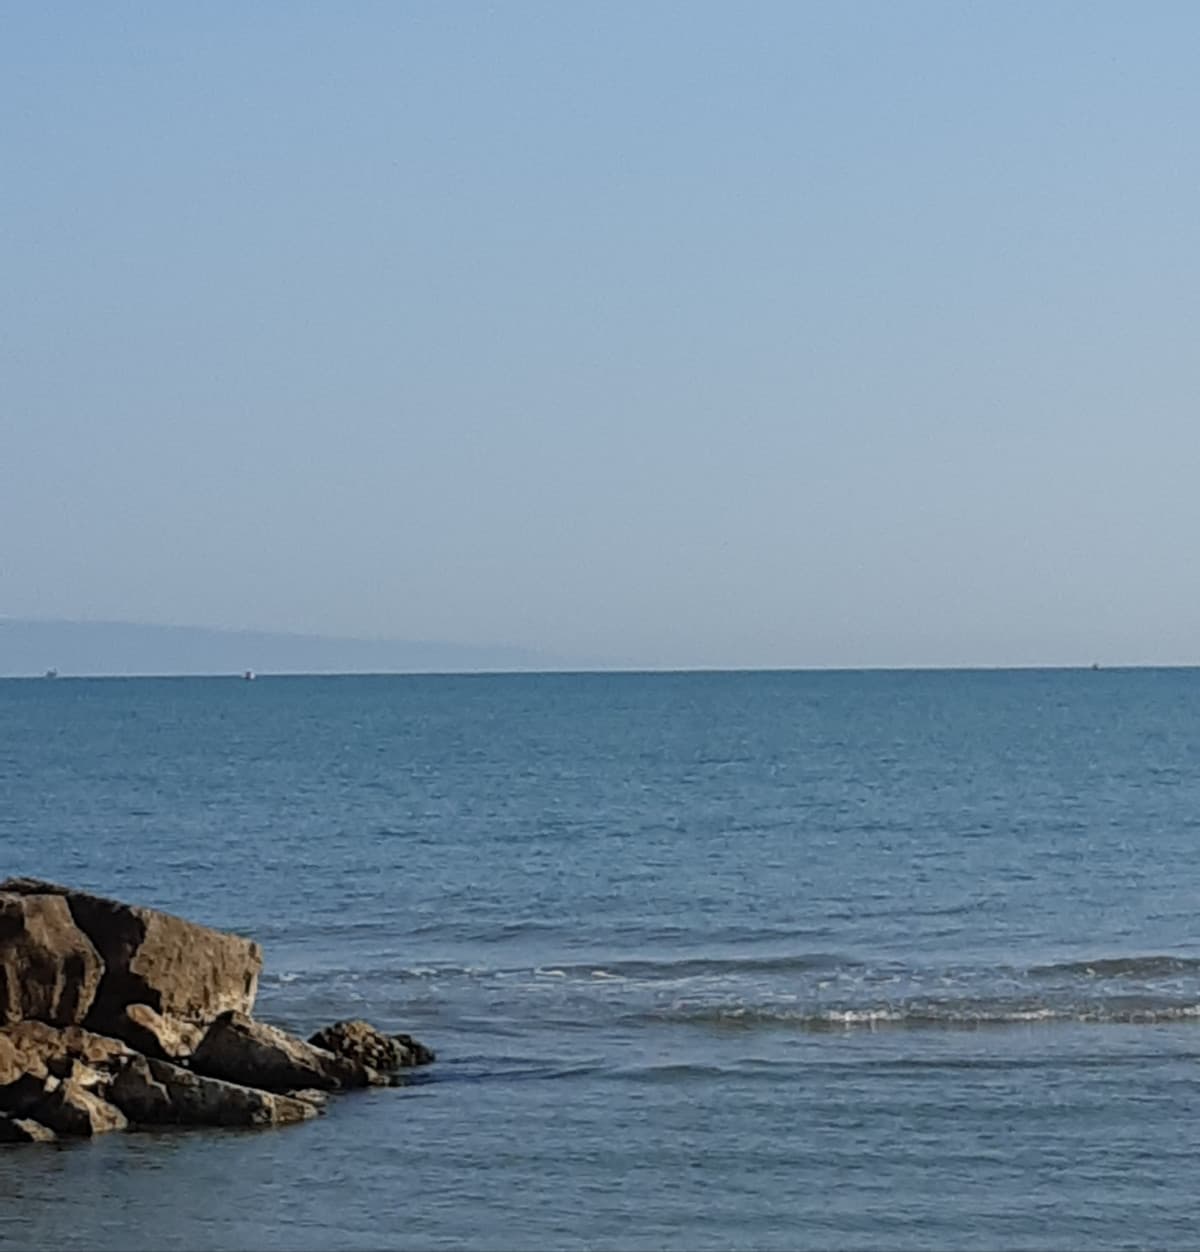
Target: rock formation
115 1016
177 968
240 1049
360 1041
49 969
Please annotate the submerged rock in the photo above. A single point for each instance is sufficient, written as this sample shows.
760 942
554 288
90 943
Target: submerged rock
360 1041
149 957
49 969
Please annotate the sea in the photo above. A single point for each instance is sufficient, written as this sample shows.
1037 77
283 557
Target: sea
777 960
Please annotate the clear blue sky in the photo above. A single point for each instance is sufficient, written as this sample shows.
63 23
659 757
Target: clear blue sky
675 333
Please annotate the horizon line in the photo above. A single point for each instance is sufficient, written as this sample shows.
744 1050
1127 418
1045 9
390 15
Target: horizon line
642 671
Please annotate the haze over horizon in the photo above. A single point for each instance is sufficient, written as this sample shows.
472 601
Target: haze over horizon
686 335
85 649
128 649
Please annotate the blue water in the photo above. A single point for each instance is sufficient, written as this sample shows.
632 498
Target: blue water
807 960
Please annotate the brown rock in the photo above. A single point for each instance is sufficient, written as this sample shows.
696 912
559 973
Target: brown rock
74 1107
157 1093
48 967
70 1069
30 1043
417 1052
241 1050
13 1062
310 1095
32 1054
24 1130
82 978
60 1077
179 969
164 1038
360 1041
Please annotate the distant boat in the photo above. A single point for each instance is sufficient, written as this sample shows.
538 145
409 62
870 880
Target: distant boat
249 675
51 673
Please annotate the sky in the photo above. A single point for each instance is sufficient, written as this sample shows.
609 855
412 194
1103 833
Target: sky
674 334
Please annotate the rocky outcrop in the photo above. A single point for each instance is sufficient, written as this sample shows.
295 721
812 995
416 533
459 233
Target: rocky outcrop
359 1041
73 1082
114 1016
241 1050
37 1050
149 957
155 1093
49 969
59 1077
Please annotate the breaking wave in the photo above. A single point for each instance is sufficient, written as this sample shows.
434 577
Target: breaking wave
962 1014
640 970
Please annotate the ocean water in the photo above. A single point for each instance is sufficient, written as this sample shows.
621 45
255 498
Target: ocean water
756 960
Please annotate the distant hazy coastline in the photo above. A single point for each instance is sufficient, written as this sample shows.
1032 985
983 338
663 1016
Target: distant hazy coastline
30 647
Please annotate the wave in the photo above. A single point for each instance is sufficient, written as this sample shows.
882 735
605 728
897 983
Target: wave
1121 967
810 992
640 970
702 967
962 1014
370 975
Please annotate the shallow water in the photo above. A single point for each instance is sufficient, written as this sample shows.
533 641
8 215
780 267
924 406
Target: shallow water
854 960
